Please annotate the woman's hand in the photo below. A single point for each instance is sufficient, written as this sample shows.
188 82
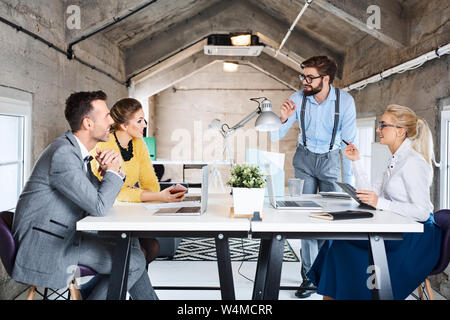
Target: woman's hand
352 153
167 196
368 197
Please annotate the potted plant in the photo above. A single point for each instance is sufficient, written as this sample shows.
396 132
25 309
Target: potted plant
248 185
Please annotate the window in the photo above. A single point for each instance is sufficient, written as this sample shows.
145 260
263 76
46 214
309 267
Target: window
365 136
15 120
445 158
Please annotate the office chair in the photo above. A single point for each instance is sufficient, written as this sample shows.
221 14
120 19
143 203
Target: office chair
8 252
442 219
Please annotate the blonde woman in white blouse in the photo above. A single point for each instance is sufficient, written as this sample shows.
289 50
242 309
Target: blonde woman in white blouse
340 269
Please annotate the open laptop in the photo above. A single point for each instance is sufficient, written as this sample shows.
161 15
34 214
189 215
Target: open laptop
191 210
290 205
352 193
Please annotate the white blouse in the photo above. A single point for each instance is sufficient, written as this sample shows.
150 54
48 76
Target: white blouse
404 187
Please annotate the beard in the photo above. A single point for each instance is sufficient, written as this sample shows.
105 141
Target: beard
313 90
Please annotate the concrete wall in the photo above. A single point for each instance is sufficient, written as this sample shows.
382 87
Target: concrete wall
31 66
184 112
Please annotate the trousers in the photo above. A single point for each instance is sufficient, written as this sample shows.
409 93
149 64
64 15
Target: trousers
319 172
96 253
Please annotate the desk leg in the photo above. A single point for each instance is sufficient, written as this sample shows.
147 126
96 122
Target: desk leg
224 266
378 259
117 289
268 272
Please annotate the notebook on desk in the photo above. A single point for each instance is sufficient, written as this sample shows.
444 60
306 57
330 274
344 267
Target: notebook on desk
306 205
190 210
342 215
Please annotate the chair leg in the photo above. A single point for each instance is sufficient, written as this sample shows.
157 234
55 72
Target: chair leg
74 291
429 289
420 292
31 293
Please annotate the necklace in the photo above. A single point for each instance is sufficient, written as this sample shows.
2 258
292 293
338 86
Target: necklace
127 154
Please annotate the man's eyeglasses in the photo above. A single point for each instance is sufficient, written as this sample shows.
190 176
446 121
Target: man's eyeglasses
382 125
308 79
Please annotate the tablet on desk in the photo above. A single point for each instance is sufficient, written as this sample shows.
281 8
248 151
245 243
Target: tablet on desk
352 193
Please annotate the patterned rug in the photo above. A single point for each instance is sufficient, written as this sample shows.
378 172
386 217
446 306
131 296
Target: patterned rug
204 249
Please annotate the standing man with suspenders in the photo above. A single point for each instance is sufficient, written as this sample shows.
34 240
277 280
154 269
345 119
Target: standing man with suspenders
326 117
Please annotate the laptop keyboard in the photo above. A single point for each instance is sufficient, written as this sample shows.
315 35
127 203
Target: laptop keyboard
287 203
188 210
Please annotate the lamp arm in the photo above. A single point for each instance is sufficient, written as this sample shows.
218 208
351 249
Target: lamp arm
243 121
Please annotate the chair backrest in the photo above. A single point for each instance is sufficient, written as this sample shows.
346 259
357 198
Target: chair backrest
8 246
442 218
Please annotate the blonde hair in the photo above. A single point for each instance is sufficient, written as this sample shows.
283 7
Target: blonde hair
417 130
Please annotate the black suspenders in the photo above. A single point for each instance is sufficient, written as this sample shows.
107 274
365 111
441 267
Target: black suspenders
336 118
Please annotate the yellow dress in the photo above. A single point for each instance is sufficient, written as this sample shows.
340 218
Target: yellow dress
138 170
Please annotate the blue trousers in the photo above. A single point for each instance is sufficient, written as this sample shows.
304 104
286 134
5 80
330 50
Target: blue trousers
320 172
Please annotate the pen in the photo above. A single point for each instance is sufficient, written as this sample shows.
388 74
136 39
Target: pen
345 142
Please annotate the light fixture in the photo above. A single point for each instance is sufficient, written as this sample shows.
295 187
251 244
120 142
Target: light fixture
230 66
241 40
266 121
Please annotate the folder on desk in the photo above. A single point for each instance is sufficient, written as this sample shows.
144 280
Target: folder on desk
342 215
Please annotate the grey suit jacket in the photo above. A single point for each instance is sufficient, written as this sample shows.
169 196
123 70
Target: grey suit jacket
58 193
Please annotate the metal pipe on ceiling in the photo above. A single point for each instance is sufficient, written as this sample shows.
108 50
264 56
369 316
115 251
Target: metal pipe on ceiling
408 65
70 53
307 4
55 47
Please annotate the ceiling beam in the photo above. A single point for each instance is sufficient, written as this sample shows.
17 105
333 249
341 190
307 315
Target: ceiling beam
225 17
162 79
393 26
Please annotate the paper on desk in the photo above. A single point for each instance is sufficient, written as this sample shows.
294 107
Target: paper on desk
165 205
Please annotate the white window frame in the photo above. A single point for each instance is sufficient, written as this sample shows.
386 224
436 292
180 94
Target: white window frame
444 163
14 102
367 122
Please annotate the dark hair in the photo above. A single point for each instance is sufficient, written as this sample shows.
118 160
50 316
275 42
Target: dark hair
78 106
123 110
325 66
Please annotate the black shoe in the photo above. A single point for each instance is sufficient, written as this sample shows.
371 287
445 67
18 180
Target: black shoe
305 290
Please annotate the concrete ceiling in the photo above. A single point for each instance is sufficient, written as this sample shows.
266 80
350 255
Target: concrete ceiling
165 28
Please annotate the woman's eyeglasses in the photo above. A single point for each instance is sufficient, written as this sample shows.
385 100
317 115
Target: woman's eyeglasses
382 125
308 79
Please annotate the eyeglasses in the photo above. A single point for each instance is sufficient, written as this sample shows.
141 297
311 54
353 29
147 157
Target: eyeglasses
382 125
308 79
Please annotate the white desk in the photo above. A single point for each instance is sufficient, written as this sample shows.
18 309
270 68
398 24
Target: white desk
279 225
126 220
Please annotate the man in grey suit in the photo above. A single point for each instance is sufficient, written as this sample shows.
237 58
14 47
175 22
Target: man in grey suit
62 190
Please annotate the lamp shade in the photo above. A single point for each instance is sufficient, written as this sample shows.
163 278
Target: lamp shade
267 120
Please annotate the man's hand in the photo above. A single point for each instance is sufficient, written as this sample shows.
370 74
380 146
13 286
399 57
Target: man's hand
368 197
287 110
108 160
166 196
352 153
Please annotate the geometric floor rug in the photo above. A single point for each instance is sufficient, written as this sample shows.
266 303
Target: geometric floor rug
204 249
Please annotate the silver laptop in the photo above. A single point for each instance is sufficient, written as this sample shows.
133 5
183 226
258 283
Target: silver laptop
290 205
191 210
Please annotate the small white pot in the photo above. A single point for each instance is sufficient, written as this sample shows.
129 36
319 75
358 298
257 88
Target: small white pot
248 200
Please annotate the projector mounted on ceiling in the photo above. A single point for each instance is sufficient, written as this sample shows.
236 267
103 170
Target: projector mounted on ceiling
222 45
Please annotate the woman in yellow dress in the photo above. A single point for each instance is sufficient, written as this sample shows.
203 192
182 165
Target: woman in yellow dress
141 183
